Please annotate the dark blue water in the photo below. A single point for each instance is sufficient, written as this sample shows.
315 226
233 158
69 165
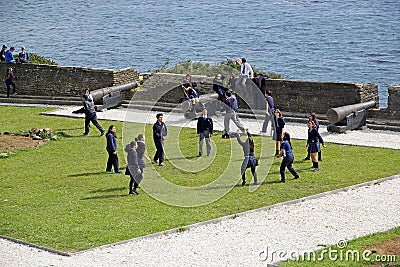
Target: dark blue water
346 40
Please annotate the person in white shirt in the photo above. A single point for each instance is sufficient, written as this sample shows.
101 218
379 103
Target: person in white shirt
246 72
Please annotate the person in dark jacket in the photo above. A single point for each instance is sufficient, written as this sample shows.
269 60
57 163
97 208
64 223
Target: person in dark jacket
219 87
159 136
278 130
230 114
90 115
141 151
313 117
133 168
269 112
312 143
8 78
288 158
250 161
205 130
112 161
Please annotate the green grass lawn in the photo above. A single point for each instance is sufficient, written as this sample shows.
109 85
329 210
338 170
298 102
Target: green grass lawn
58 195
363 251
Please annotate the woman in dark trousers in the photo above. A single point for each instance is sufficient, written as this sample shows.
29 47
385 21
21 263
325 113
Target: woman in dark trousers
133 168
250 161
159 136
312 143
288 158
279 126
111 137
313 117
8 78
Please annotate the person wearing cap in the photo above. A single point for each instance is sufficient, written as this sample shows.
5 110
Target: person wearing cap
23 57
9 56
3 53
204 130
90 115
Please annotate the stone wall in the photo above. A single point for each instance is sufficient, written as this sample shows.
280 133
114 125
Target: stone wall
289 96
48 80
392 112
306 96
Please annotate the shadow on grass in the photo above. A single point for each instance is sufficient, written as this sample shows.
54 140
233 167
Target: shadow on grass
108 190
85 174
105 196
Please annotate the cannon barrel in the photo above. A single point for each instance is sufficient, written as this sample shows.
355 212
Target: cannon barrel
100 93
335 115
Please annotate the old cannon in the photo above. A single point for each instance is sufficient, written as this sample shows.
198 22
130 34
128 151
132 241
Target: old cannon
348 117
109 97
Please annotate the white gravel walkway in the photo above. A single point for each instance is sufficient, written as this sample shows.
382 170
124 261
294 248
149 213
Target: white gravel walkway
253 238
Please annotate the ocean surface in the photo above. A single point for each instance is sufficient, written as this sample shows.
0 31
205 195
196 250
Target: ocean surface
333 40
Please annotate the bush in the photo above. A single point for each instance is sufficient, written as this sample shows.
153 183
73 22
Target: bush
37 59
227 67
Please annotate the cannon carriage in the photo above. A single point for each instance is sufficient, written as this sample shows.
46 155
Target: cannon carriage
350 117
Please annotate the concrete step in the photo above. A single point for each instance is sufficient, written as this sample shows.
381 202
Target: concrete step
20 99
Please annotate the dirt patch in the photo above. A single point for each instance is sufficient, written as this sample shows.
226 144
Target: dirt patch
12 142
388 247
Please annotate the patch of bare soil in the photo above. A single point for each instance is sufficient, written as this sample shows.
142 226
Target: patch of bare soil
389 247
11 142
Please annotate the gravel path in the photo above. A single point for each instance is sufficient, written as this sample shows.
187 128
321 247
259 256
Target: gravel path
251 238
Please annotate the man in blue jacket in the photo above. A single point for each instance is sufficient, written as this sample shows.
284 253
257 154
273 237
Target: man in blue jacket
9 55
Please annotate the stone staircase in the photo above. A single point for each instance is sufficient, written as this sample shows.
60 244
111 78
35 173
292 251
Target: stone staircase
43 100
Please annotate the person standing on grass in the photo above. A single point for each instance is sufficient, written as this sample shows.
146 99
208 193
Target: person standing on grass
313 117
288 158
250 161
111 148
312 143
8 78
141 151
133 168
159 136
279 126
269 112
90 115
204 131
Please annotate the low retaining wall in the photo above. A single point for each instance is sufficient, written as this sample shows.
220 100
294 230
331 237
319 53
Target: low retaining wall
289 96
48 80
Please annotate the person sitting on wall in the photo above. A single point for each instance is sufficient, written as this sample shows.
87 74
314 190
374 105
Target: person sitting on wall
9 57
3 53
23 56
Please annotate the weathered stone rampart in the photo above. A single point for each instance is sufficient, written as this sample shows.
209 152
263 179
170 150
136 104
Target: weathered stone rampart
48 80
